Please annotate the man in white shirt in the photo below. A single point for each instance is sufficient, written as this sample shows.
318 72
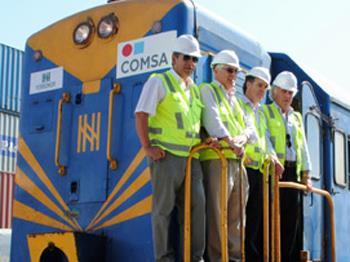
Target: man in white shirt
168 123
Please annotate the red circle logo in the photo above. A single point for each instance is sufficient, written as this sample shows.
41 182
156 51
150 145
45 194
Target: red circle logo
127 49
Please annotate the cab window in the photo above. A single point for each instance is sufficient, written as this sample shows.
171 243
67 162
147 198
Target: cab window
313 137
339 159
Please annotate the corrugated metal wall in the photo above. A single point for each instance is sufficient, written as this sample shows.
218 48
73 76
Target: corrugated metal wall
9 128
10 94
7 185
10 78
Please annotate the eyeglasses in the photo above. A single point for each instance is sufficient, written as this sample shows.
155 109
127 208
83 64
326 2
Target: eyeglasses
230 70
188 57
288 141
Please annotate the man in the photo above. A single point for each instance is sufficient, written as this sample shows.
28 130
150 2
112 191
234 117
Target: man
223 118
168 123
288 138
256 83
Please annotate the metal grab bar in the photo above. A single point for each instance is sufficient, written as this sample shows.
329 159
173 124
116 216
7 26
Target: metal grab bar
242 208
64 99
187 220
329 199
112 162
266 200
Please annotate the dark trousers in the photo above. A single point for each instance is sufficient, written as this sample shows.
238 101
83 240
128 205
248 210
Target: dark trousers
254 224
290 200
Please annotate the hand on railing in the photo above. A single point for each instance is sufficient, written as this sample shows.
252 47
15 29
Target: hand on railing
306 180
278 167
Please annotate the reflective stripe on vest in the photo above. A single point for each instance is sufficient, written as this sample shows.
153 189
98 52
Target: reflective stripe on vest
232 118
277 129
175 126
256 153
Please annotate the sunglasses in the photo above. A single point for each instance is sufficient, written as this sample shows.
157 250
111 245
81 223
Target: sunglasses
188 57
288 141
230 70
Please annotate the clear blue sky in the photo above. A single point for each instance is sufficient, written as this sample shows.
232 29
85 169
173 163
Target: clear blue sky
313 32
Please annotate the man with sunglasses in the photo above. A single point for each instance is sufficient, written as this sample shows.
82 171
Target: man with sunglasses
257 82
288 138
224 119
168 123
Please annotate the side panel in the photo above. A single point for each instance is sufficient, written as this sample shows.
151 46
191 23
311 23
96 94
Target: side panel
340 192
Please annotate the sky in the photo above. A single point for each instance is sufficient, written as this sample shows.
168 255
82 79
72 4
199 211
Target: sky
314 33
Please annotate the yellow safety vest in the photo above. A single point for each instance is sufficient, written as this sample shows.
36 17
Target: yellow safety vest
278 132
232 118
256 153
176 124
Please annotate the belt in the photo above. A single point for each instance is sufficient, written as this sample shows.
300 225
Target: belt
290 163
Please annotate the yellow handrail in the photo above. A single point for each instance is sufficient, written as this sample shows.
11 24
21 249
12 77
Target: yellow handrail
265 183
242 208
112 162
64 99
187 222
329 199
277 220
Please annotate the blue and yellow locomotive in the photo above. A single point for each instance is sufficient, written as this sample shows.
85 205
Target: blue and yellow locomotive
83 187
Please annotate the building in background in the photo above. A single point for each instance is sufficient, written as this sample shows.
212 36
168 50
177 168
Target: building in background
10 93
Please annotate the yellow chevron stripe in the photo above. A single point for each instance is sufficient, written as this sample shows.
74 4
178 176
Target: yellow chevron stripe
31 188
133 165
132 189
141 208
22 211
34 164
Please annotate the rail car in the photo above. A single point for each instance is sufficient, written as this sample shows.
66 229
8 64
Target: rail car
83 189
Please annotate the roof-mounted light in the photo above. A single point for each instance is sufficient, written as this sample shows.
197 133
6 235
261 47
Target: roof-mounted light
108 26
83 33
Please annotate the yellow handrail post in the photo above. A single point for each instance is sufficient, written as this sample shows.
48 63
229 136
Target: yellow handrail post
64 99
112 162
242 208
273 213
277 222
187 219
330 204
265 183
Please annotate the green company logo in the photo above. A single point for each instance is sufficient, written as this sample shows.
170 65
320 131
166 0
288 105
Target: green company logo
46 77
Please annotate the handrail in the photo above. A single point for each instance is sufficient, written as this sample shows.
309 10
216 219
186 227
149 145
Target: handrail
266 200
112 162
242 208
329 199
277 219
64 99
187 222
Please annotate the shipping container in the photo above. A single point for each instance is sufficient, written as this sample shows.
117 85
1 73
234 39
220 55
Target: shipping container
7 184
9 125
10 78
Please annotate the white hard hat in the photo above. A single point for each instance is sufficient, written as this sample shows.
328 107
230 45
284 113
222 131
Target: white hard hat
226 57
287 81
261 73
187 45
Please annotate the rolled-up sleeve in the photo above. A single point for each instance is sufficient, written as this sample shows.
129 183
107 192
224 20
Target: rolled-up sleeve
152 93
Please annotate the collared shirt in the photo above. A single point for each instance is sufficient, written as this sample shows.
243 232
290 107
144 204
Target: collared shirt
153 93
211 114
290 151
255 108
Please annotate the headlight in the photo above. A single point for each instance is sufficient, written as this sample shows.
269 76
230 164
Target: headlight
108 26
83 32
